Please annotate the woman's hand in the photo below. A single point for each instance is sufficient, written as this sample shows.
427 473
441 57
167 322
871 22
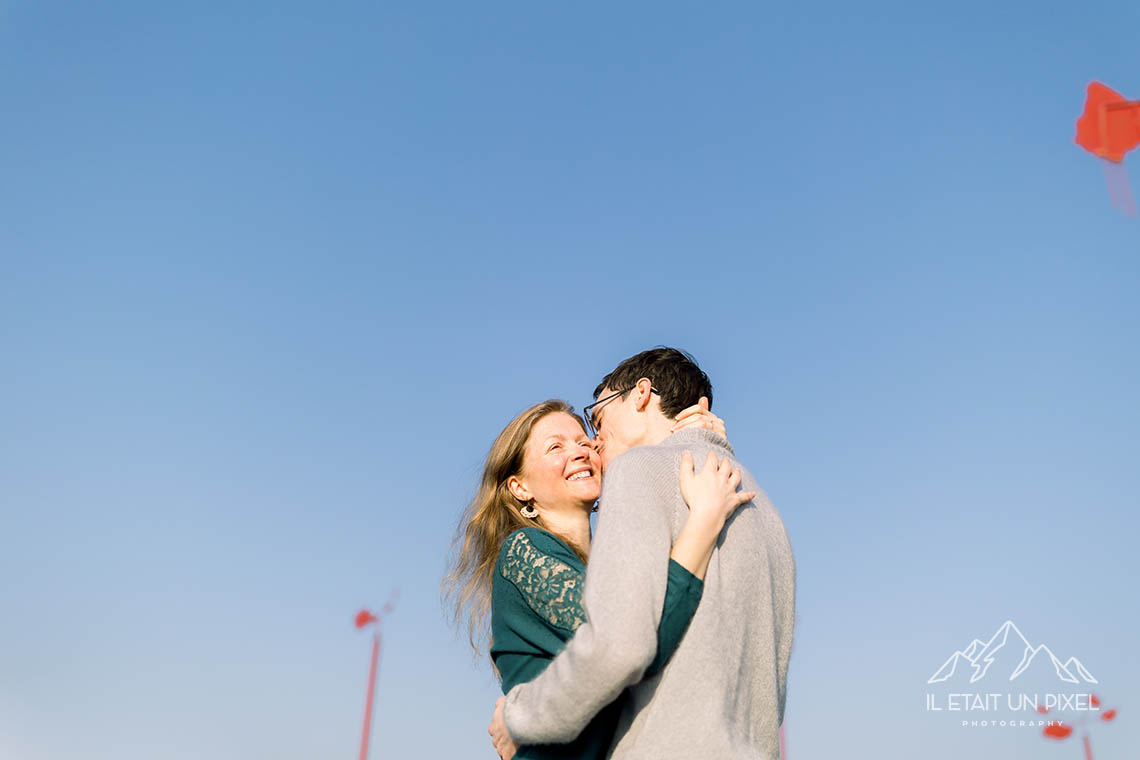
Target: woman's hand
500 737
712 497
699 416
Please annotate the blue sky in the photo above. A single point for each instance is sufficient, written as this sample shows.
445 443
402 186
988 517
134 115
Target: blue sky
273 278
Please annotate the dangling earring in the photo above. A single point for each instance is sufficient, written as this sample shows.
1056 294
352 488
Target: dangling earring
528 511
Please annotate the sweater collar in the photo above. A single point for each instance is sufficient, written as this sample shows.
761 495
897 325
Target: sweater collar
698 435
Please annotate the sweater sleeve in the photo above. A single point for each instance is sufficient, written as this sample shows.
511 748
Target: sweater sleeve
682 596
626 580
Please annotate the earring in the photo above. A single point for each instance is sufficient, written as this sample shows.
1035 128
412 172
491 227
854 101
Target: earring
528 511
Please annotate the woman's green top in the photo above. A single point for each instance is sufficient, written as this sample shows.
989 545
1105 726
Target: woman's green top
536 606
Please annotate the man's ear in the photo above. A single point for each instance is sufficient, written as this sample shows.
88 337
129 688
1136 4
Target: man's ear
518 489
642 392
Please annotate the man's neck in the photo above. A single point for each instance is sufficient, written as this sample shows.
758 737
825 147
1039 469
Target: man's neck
658 429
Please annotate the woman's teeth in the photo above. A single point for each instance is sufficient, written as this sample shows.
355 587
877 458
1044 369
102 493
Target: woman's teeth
579 475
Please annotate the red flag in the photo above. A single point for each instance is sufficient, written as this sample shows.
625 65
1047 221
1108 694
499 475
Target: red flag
1058 731
363 618
1109 714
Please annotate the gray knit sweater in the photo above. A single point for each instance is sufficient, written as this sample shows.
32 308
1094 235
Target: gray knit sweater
722 694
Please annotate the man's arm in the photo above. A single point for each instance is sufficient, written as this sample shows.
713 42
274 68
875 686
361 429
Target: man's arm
625 591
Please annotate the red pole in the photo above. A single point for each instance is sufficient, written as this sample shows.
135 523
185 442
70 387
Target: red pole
1088 747
371 692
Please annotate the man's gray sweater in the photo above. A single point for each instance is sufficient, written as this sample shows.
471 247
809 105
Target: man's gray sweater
722 693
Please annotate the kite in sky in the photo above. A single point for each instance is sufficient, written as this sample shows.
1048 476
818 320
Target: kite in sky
1109 128
365 618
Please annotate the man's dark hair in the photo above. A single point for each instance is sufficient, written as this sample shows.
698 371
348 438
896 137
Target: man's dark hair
674 374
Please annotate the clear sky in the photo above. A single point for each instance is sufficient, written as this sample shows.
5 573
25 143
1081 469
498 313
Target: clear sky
272 278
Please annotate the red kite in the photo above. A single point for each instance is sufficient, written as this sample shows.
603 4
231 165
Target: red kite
363 618
1110 125
1109 128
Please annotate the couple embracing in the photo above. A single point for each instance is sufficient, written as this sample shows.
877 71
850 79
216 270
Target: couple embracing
666 636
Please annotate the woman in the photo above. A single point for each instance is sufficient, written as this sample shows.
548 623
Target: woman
524 542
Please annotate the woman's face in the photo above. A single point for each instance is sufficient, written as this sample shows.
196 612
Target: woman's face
560 466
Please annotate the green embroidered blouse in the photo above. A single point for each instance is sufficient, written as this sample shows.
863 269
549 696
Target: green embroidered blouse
536 605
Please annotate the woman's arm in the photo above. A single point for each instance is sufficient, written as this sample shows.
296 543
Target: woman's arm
682 597
712 497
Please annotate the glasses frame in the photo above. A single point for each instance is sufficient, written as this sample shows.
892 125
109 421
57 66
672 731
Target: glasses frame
588 411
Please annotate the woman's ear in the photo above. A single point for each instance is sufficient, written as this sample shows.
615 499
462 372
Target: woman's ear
518 489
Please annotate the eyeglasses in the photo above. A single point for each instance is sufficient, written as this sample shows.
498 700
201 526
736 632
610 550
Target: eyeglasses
588 412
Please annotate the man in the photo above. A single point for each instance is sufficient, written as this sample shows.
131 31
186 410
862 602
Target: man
722 694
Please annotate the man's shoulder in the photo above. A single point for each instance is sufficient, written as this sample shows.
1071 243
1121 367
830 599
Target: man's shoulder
642 461
666 455
647 472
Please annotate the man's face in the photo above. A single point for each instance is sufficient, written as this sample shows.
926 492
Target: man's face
616 424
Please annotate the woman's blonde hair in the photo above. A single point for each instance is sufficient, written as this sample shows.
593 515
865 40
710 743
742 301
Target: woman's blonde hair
490 517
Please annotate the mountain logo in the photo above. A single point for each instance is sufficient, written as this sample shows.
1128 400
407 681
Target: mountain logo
1008 651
